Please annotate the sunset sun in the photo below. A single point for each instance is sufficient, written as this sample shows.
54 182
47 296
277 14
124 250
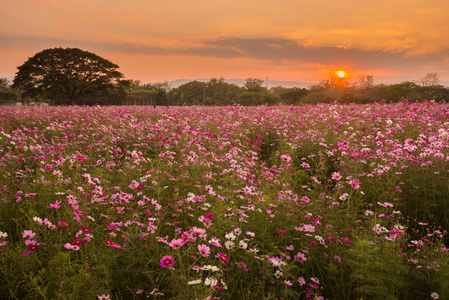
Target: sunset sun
341 74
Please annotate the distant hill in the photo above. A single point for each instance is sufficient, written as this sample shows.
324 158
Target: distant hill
271 83
241 82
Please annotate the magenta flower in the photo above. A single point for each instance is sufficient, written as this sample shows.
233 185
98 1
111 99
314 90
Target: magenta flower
77 242
33 247
208 216
243 267
85 229
167 261
48 167
305 199
222 256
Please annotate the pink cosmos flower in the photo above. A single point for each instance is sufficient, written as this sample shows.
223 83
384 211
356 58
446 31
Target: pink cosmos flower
48 167
354 183
204 250
28 233
55 205
336 176
305 199
167 261
177 243
300 257
243 267
215 243
71 247
286 158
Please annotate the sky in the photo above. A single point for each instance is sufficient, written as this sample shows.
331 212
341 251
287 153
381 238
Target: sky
289 40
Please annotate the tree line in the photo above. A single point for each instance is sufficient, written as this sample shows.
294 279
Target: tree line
70 76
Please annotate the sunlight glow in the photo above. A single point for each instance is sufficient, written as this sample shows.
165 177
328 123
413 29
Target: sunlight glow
341 74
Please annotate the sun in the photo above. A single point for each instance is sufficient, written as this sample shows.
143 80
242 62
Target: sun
341 74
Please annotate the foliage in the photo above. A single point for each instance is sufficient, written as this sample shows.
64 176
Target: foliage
4 84
317 97
293 96
8 95
70 73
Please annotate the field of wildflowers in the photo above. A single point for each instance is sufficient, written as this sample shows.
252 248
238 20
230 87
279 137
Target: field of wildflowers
283 202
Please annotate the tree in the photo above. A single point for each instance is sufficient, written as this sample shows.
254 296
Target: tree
431 79
70 73
254 85
4 84
294 95
190 93
219 92
365 82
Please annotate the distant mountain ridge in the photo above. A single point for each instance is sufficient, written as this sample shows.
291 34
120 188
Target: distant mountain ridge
271 83
240 82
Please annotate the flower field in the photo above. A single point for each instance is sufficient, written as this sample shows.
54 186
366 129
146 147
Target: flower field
282 202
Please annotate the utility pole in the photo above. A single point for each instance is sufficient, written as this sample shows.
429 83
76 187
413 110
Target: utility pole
267 83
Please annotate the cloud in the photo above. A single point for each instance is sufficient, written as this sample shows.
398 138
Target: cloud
285 53
281 49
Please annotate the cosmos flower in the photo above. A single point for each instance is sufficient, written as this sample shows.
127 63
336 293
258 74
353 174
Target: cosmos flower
204 250
167 261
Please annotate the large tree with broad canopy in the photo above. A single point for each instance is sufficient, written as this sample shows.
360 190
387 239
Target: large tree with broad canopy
69 73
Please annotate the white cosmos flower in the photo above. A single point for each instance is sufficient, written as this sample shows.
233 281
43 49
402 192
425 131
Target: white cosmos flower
230 236
230 245
198 281
243 244
211 281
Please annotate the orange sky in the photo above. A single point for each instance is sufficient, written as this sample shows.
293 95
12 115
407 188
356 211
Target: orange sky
294 40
